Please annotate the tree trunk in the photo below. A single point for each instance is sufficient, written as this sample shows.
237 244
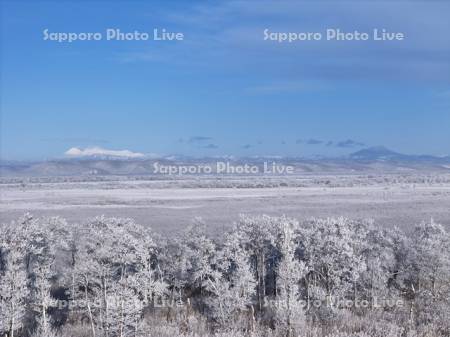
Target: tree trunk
91 318
121 319
106 309
252 318
44 320
288 293
13 323
263 267
12 327
307 293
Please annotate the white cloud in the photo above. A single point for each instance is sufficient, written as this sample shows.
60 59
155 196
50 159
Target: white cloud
98 151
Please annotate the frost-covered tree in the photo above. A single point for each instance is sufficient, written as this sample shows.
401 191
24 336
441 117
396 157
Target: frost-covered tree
13 284
430 241
47 239
427 272
42 298
257 235
333 260
111 253
236 262
147 270
201 252
232 284
383 255
125 307
289 307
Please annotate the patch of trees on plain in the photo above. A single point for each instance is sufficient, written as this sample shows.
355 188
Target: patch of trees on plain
269 276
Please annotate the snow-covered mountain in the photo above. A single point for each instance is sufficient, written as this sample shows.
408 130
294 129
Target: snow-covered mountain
381 153
374 159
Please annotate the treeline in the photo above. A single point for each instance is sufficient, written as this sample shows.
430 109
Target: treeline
268 276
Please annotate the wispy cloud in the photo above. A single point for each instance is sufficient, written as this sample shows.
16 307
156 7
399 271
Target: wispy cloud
233 26
98 151
199 139
247 146
313 141
349 143
211 146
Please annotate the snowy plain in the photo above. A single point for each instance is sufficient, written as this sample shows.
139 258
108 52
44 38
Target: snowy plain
170 205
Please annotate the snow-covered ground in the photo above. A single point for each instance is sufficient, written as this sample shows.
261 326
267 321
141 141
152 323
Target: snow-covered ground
167 206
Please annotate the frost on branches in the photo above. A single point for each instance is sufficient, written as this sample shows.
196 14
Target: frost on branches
269 276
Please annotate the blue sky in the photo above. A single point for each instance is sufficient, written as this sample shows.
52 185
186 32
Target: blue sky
224 90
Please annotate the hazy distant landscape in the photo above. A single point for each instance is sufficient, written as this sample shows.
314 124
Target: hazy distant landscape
374 160
391 188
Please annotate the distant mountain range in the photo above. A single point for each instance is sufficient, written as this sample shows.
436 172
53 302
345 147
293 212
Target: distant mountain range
381 153
374 159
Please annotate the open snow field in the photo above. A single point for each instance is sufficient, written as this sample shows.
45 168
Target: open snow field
169 206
